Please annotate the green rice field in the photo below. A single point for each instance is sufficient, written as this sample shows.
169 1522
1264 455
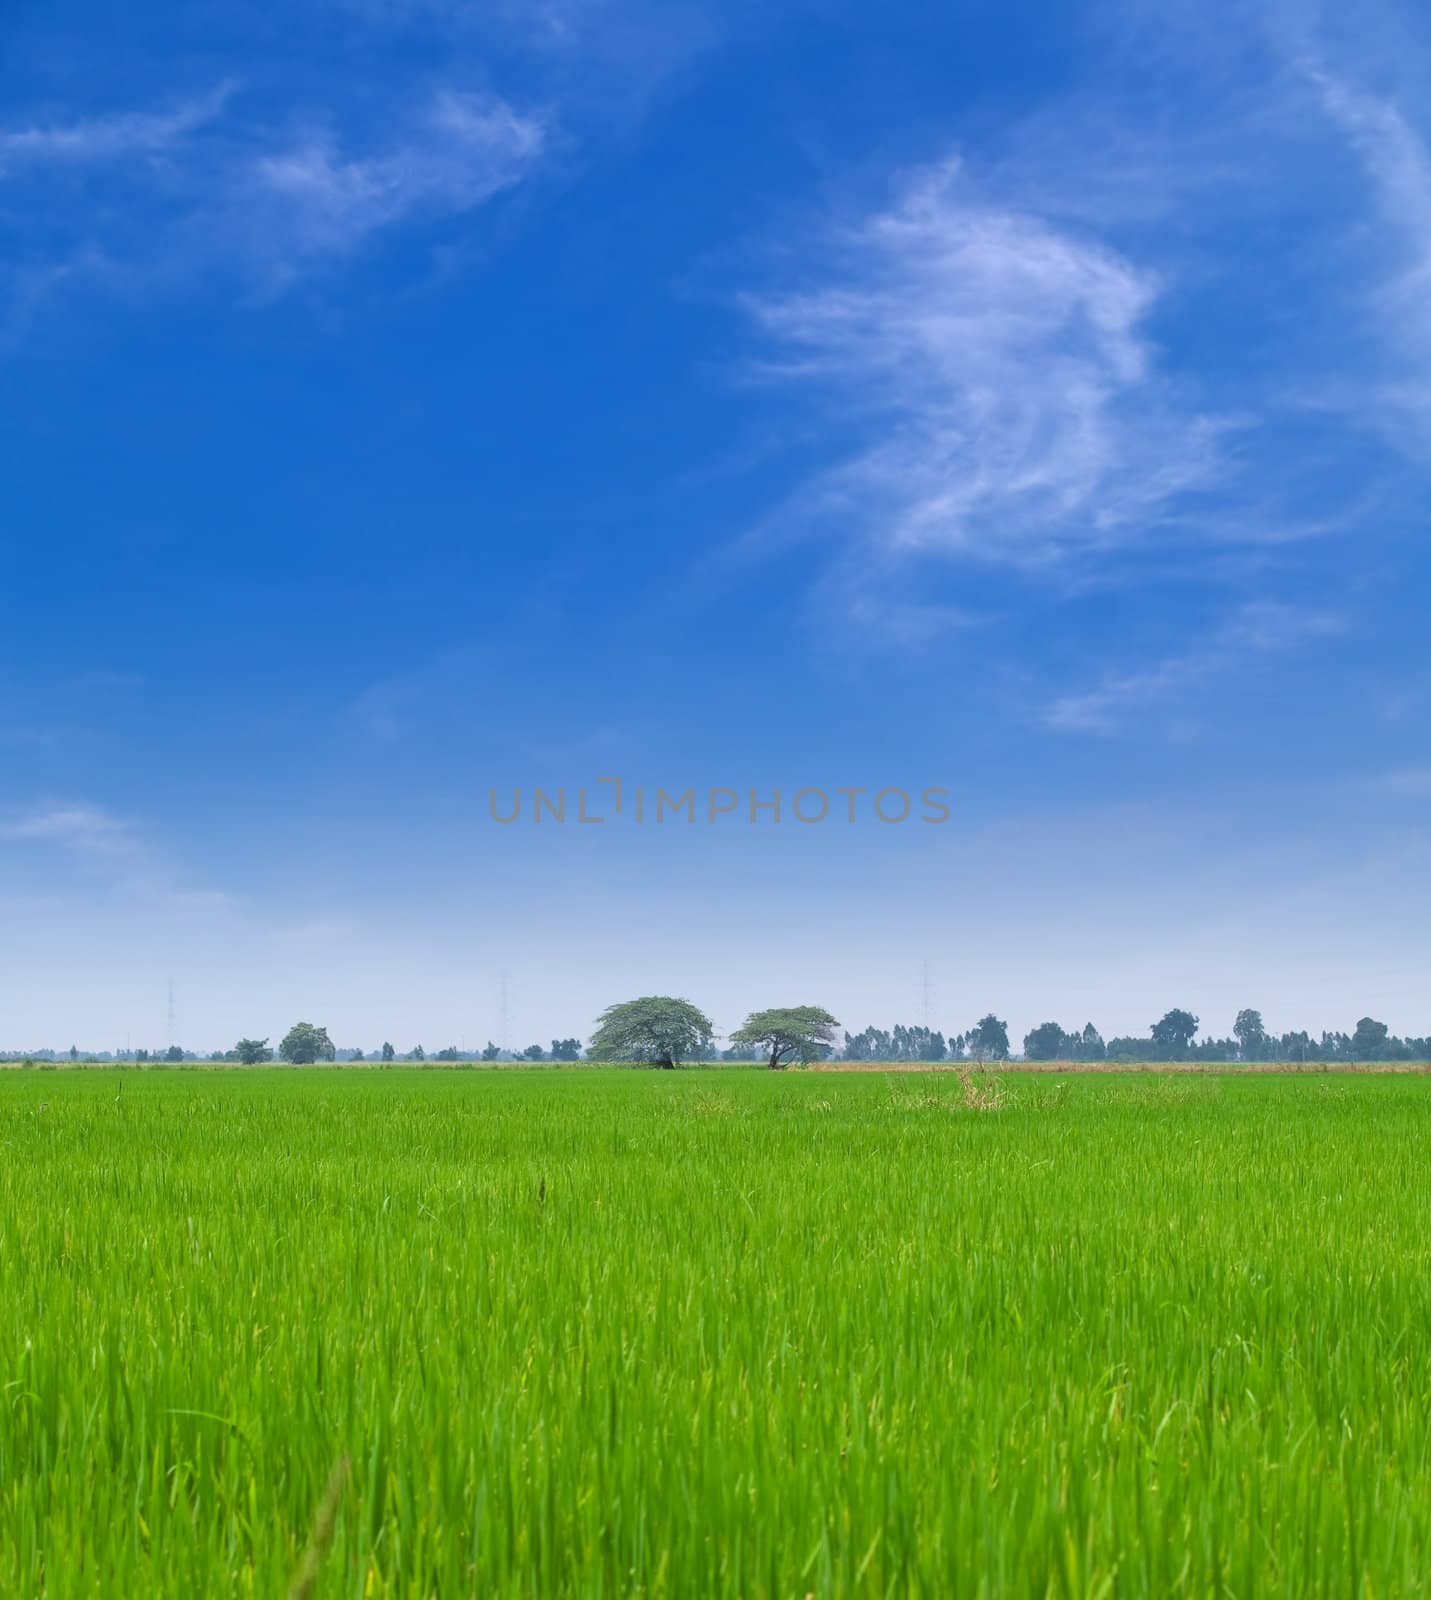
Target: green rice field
714 1332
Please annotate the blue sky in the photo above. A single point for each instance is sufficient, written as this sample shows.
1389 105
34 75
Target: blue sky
414 397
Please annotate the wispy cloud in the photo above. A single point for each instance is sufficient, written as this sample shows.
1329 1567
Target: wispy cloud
1001 370
1258 629
84 829
110 851
432 109
1410 783
109 138
313 199
210 190
1397 160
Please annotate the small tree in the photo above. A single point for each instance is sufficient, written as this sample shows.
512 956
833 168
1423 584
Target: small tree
253 1051
788 1033
389 1054
534 1052
566 1050
359 1056
656 1028
418 1053
304 1044
492 1052
174 1053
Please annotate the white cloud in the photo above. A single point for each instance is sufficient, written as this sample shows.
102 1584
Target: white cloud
1002 371
1260 628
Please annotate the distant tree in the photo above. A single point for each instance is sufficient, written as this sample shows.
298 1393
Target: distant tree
74 1052
566 1050
141 1055
252 1051
657 1028
174 1053
989 1039
1174 1032
902 1043
534 1052
451 1053
1250 1034
1047 1042
1125 1047
304 1044
418 1053
789 1033
917 1044
870 1044
1090 1044
492 1052
1368 1043
388 1053
358 1056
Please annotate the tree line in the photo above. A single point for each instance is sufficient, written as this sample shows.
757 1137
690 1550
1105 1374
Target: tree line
1173 1037
664 1031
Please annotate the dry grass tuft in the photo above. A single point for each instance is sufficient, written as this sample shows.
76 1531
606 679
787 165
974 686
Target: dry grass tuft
324 1521
981 1093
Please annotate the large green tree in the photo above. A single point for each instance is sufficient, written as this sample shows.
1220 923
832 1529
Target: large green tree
989 1038
1250 1033
1047 1042
656 1028
304 1044
788 1033
1369 1041
253 1051
1175 1030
